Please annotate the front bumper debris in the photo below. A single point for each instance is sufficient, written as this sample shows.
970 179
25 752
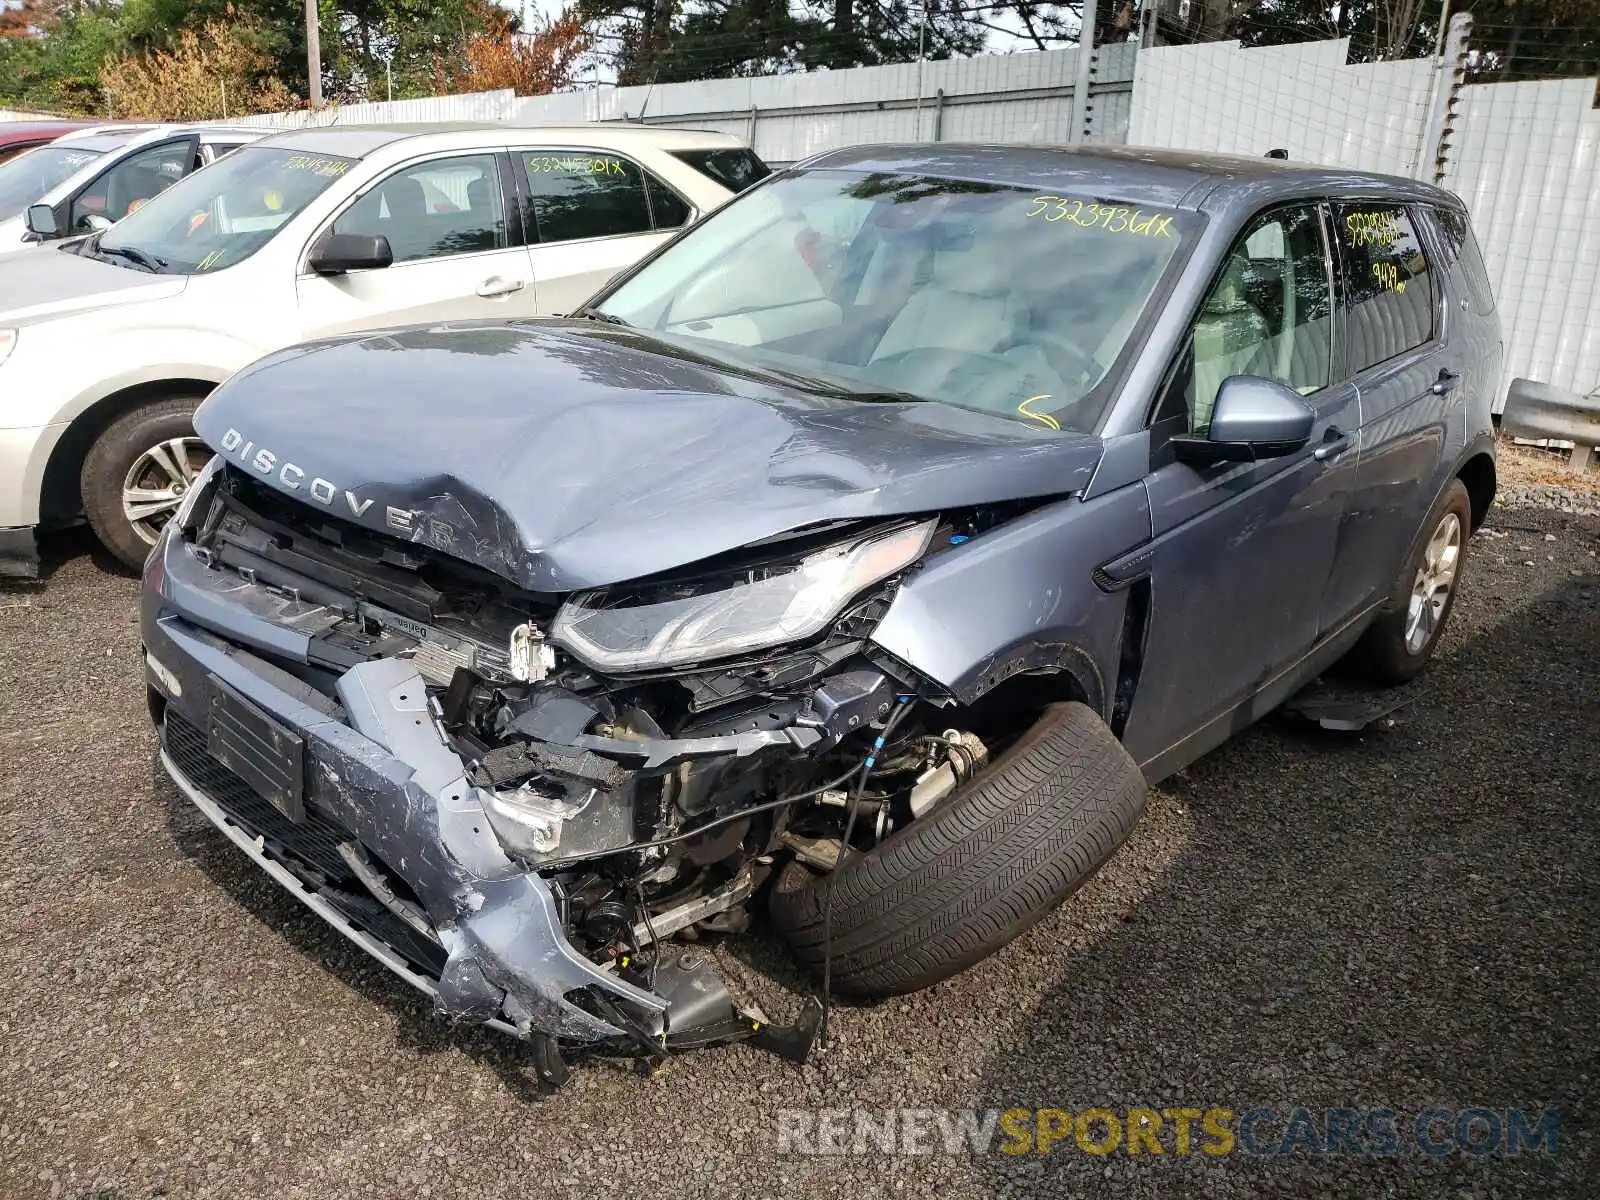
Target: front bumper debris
377 773
19 553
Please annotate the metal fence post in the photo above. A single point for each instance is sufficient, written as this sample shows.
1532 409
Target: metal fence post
750 132
1451 76
1080 88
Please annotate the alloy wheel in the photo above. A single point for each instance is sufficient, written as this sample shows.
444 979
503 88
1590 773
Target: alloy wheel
155 485
1430 591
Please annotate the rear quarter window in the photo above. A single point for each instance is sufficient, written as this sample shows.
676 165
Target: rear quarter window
1460 246
733 169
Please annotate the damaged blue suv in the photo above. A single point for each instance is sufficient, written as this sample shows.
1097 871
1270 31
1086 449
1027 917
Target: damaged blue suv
860 556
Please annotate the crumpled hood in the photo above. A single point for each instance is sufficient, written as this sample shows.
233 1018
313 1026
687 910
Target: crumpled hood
40 283
566 455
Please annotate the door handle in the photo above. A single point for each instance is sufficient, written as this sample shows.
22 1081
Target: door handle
1445 383
1334 443
496 286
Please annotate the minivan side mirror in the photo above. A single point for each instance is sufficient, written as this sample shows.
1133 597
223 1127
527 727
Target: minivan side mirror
1253 418
337 253
41 220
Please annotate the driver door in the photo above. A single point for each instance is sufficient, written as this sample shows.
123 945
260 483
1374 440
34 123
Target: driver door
123 188
1242 551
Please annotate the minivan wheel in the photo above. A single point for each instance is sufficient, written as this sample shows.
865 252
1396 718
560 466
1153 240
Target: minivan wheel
137 472
955 885
1401 639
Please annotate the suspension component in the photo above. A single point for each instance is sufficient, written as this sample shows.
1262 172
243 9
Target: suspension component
965 755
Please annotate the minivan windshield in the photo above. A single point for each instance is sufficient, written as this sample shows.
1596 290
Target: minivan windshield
221 215
1007 300
26 178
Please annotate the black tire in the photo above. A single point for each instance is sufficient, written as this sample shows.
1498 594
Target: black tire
1386 655
113 455
985 864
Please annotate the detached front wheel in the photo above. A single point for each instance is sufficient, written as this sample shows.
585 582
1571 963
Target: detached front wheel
137 473
955 885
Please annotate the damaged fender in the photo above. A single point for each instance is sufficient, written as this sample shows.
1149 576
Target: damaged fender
997 606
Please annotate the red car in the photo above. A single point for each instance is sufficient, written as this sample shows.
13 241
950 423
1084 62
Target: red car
17 136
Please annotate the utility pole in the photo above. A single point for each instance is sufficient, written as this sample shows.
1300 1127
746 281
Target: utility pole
313 55
922 42
1438 41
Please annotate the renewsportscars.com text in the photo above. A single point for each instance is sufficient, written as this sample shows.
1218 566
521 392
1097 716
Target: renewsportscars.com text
1178 1132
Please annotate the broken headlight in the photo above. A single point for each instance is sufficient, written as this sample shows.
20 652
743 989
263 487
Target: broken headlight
631 629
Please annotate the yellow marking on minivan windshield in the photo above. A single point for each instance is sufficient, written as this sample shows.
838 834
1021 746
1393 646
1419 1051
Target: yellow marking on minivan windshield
317 165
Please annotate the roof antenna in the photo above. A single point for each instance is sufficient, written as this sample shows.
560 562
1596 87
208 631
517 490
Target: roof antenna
647 93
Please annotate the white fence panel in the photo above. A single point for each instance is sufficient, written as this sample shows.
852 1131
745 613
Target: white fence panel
1524 156
1024 97
475 106
1526 159
1303 98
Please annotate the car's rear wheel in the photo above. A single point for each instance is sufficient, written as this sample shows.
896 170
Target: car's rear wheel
1401 640
136 475
955 885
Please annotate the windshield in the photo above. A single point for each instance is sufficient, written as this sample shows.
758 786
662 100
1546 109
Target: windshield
26 178
221 215
1001 299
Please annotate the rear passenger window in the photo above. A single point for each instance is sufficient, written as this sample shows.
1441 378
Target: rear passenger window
669 209
1388 285
579 195
447 206
1461 247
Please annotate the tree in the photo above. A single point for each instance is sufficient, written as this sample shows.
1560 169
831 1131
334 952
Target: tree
211 72
51 58
1052 26
498 54
1514 39
27 19
1533 39
658 41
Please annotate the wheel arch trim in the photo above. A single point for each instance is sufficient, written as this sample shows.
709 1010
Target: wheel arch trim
51 476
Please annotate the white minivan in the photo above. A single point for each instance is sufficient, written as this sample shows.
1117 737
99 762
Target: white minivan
108 343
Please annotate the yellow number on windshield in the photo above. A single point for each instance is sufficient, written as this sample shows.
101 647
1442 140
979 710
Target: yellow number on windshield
1109 217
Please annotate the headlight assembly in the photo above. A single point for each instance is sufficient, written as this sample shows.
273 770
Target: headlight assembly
632 629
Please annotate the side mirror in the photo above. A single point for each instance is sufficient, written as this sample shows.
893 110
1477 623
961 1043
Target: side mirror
94 222
337 253
41 220
1253 418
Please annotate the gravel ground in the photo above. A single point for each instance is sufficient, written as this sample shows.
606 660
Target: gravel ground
1404 919
1535 478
